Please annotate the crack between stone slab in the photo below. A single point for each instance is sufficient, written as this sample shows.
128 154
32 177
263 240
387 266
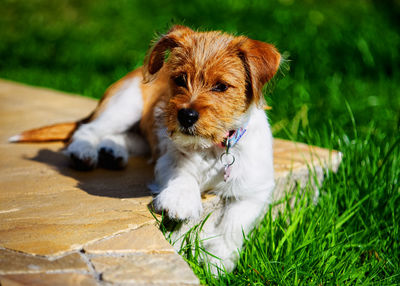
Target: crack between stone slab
78 247
155 282
87 258
50 258
126 254
130 252
92 270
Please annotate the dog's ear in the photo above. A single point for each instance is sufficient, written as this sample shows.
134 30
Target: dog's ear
156 55
261 62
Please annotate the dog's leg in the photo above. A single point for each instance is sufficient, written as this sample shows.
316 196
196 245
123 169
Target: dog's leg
180 199
114 149
179 193
105 134
223 236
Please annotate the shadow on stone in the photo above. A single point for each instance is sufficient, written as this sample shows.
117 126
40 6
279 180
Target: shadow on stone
130 182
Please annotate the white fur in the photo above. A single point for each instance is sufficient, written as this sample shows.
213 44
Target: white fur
123 110
189 166
183 173
14 138
117 143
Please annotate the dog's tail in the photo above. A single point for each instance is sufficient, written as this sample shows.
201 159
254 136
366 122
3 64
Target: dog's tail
55 132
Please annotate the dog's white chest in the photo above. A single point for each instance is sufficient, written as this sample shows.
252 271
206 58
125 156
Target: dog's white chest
211 169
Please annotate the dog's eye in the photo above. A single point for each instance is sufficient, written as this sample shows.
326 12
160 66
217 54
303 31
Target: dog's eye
180 80
220 87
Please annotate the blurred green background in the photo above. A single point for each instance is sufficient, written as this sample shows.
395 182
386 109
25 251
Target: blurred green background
338 51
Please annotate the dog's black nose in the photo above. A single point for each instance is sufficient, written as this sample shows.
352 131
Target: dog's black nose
187 117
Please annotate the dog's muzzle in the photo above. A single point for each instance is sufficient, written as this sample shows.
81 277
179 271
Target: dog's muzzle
187 117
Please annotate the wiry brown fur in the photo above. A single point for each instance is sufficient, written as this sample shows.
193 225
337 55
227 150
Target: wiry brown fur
209 58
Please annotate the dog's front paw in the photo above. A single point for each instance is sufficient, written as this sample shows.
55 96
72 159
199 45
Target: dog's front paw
83 155
179 203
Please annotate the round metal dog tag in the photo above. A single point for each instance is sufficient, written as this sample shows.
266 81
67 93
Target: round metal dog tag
227 159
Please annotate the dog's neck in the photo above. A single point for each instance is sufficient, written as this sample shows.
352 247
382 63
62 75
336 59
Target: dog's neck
232 137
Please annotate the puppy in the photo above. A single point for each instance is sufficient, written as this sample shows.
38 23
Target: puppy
197 106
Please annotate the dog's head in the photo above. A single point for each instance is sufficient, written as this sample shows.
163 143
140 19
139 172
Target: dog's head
214 78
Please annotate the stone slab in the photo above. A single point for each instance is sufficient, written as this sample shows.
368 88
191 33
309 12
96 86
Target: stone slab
26 107
145 269
12 262
146 239
49 210
48 279
299 164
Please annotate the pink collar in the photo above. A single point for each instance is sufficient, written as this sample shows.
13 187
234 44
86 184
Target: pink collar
232 137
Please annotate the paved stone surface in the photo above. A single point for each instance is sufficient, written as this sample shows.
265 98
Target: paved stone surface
146 239
144 269
63 227
12 262
40 205
298 163
48 279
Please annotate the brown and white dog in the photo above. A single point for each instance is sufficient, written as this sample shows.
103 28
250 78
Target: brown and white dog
200 112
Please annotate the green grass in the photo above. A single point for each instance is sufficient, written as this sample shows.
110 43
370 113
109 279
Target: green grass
350 237
341 91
